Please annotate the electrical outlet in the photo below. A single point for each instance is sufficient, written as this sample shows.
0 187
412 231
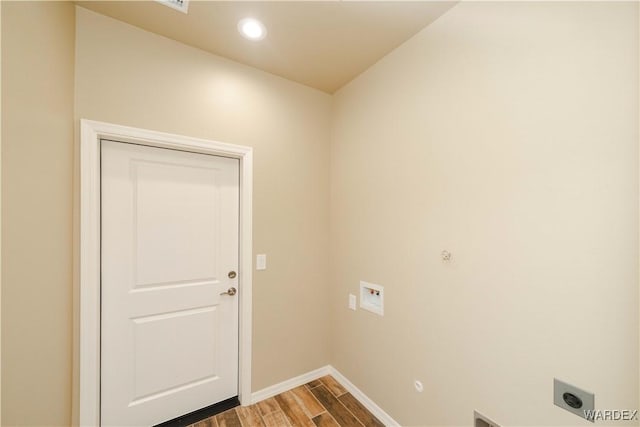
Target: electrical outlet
571 398
352 302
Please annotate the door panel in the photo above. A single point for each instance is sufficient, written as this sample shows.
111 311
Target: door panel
169 238
153 352
179 204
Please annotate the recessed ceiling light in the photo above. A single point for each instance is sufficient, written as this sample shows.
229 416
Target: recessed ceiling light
252 29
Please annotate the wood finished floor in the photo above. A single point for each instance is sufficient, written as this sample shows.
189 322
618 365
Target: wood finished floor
322 403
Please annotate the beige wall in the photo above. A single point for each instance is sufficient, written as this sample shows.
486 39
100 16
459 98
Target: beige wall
131 77
507 134
37 153
127 76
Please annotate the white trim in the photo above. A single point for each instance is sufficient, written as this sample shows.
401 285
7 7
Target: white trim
283 386
287 385
377 411
90 134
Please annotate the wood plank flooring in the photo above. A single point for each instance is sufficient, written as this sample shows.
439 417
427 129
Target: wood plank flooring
320 403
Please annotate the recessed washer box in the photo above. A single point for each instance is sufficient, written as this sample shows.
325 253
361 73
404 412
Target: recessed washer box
480 420
372 298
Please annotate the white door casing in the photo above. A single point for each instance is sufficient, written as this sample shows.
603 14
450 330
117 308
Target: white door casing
87 401
169 333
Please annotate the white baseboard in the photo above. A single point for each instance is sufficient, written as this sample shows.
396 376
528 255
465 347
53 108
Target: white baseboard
377 411
271 391
275 389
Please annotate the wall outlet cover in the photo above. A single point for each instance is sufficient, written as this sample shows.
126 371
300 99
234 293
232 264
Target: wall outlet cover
573 399
352 302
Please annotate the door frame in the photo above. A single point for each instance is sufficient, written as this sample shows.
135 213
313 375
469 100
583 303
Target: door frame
91 132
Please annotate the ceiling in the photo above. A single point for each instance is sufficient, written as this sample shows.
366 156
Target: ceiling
322 44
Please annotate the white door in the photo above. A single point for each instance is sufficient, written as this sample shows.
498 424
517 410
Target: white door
169 334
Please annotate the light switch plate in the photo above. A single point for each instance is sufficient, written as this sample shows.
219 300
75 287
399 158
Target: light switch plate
568 397
261 262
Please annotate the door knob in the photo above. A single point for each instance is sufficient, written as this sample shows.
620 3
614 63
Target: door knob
231 292
232 275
